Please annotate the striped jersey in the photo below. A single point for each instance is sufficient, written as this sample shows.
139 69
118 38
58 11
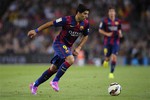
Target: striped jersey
71 30
111 26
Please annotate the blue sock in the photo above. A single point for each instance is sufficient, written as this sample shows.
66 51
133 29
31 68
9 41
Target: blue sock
113 64
45 76
61 71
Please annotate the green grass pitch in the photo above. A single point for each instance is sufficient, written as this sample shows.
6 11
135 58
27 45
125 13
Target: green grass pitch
78 83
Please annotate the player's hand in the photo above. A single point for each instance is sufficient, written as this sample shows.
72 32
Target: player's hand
32 33
76 51
109 34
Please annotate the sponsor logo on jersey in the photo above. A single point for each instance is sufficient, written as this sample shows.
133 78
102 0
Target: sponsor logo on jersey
113 28
74 33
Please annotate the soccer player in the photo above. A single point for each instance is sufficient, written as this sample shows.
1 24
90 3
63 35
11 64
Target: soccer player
72 28
110 27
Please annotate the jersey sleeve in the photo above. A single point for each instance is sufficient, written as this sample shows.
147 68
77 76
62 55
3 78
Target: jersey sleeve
86 31
60 22
102 25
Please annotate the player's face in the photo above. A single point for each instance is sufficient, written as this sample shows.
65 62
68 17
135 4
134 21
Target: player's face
83 15
111 13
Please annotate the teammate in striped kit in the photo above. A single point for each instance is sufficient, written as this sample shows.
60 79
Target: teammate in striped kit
72 28
111 29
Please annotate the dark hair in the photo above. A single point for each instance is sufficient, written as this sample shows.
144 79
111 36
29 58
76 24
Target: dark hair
81 8
111 7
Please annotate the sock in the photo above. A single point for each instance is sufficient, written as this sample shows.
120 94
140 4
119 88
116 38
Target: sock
113 64
45 76
105 63
61 71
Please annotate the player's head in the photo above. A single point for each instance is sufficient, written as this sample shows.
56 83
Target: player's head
82 12
111 12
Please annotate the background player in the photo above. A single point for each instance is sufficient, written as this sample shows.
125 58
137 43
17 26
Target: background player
111 29
72 28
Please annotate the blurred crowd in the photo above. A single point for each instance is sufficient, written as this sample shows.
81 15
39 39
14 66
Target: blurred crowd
24 15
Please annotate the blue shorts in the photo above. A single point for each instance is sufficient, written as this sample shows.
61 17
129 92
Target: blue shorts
61 52
111 49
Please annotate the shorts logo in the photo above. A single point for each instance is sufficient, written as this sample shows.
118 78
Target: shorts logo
66 49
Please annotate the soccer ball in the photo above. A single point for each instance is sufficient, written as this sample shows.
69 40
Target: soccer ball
114 89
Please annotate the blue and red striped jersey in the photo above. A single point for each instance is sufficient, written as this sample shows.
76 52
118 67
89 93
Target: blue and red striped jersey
71 30
111 26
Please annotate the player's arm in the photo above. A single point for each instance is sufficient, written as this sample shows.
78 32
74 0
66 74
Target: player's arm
57 23
33 33
120 34
82 42
105 33
102 27
119 30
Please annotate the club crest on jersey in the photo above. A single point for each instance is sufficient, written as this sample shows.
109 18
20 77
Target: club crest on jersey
81 28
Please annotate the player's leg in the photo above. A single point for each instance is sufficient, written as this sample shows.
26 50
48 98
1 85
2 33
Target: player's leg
107 53
113 60
45 76
64 52
113 65
106 62
56 62
68 62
